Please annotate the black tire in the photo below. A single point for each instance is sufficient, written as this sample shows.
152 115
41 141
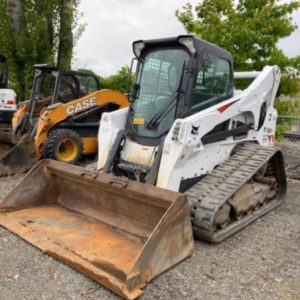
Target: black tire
59 145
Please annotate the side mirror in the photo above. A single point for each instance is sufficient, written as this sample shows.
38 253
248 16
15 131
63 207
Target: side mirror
132 90
135 91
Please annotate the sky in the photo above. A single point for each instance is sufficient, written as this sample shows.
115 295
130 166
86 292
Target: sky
112 25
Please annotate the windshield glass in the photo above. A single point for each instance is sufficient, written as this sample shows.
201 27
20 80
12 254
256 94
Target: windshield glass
159 82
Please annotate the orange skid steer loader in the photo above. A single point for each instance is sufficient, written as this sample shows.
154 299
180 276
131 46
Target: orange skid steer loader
190 155
60 121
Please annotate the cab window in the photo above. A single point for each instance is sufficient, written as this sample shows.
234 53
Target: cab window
212 82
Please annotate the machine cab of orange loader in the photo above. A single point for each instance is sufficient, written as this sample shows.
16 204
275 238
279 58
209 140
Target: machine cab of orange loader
50 86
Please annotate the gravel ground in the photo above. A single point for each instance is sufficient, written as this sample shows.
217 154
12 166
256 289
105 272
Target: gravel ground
260 262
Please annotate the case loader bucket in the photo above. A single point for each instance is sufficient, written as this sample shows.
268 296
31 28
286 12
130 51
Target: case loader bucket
118 232
17 153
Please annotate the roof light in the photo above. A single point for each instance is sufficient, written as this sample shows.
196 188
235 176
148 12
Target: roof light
138 46
188 42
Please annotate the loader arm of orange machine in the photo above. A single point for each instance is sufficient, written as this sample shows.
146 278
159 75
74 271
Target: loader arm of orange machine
19 113
59 112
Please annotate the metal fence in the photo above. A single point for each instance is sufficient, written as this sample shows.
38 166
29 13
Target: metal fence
289 127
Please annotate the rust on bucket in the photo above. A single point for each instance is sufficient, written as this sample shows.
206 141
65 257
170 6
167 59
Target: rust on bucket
118 232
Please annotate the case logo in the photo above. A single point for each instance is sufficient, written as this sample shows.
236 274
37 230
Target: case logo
73 109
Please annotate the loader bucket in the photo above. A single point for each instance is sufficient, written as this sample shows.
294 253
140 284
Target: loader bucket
118 232
17 153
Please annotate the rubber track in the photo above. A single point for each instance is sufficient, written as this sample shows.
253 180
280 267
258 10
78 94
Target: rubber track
207 196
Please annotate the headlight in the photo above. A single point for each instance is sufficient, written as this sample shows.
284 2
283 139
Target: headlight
138 46
188 42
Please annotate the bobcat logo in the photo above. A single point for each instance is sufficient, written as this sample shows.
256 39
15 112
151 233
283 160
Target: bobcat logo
195 130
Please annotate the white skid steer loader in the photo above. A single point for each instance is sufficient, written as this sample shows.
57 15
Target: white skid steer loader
190 154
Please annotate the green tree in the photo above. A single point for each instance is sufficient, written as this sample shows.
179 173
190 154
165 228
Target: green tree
38 31
250 30
118 82
68 17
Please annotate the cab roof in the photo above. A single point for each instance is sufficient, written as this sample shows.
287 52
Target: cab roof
170 42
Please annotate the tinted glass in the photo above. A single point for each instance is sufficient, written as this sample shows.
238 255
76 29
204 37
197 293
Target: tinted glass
159 81
88 83
47 86
213 76
74 86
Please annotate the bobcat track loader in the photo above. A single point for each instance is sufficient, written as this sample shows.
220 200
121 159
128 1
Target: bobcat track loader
60 121
190 154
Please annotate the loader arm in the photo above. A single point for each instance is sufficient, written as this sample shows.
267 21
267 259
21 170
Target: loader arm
19 113
184 146
57 113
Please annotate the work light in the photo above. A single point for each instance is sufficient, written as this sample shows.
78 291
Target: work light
188 42
138 46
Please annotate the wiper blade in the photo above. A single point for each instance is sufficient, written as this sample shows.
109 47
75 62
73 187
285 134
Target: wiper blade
154 122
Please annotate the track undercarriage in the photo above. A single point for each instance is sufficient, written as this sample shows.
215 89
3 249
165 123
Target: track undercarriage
245 187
